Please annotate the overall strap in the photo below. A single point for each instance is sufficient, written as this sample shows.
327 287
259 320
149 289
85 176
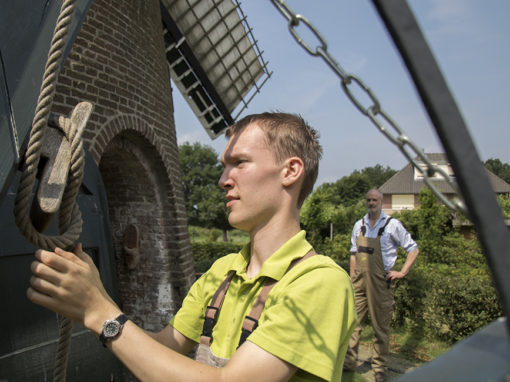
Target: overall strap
363 227
381 230
212 311
251 321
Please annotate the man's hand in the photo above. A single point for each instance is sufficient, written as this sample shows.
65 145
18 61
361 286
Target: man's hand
393 275
411 258
69 284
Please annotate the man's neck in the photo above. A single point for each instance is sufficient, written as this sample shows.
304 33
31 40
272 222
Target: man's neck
267 240
373 218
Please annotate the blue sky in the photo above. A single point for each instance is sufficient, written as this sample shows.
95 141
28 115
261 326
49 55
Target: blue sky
469 38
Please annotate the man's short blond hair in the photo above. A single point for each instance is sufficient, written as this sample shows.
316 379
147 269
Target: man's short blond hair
288 135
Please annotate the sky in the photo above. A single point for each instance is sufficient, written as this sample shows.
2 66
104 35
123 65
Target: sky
469 39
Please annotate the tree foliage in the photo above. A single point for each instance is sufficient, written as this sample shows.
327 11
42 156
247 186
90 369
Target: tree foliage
498 168
204 199
503 171
434 217
504 203
341 203
434 223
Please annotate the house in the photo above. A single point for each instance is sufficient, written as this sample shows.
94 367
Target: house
401 191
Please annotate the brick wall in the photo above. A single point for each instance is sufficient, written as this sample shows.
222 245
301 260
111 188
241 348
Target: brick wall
118 63
386 202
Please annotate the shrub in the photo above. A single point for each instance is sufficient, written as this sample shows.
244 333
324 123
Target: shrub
205 254
410 293
504 203
445 301
435 220
452 249
459 302
410 220
337 249
200 234
456 250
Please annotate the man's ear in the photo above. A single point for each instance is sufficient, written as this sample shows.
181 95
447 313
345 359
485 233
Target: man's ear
293 170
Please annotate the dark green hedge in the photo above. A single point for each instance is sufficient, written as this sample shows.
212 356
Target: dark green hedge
445 301
205 254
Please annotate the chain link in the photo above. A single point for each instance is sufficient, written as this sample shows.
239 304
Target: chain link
374 111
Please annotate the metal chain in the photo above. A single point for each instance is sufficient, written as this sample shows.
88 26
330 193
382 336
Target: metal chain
374 112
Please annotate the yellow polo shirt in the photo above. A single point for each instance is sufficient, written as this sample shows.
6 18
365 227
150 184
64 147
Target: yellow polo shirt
308 318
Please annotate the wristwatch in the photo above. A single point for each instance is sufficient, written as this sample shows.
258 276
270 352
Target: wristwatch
112 329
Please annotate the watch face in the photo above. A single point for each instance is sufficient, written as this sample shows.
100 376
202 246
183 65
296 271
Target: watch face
111 328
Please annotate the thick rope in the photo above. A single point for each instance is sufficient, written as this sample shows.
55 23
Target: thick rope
70 222
68 215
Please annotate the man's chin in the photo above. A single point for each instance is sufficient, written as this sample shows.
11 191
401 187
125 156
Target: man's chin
238 224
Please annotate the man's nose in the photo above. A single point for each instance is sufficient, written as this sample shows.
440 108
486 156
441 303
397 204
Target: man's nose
225 181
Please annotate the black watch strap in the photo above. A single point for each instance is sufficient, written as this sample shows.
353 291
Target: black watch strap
122 319
112 329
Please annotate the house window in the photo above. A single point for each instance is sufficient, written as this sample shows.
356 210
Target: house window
446 168
402 202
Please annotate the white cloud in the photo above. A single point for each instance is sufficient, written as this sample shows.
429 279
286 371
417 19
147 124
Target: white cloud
452 17
444 11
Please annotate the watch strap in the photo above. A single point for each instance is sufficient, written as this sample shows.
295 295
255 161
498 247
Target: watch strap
122 319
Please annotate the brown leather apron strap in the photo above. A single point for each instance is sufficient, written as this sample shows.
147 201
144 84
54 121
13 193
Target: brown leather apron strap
251 321
211 312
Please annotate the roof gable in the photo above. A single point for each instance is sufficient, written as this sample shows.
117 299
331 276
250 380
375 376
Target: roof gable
404 181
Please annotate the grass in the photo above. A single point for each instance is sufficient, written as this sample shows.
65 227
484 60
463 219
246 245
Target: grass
410 345
407 346
415 347
352 377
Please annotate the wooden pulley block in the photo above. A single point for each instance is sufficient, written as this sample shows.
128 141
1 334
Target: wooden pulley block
56 154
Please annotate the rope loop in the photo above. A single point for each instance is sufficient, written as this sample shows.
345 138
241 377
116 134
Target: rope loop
70 222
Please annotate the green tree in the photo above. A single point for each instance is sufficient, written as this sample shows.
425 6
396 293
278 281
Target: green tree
434 217
411 221
318 211
352 188
434 222
504 203
346 216
204 200
498 168
377 175
334 207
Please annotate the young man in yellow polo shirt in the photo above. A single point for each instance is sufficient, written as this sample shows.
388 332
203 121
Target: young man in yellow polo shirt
275 311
